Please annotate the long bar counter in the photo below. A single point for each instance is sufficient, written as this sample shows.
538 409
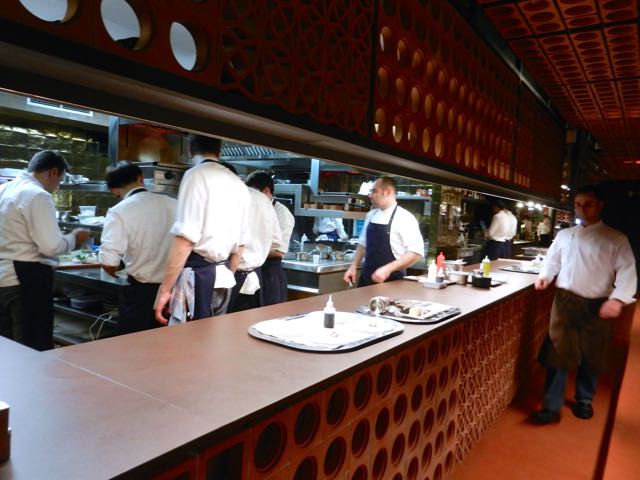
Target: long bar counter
206 400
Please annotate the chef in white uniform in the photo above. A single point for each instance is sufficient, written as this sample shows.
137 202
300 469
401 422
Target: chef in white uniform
136 229
30 241
274 278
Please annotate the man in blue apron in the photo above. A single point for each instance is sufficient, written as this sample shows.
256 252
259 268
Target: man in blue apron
210 231
30 241
136 230
390 241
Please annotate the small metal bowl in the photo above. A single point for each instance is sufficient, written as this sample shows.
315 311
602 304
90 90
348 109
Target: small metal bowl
460 278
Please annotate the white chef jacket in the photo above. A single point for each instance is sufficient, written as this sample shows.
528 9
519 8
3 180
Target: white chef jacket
212 212
544 227
405 232
137 228
265 236
287 221
592 262
500 227
513 224
328 224
28 227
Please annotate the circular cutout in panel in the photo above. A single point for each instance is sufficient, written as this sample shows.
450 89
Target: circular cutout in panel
442 78
360 473
455 365
417 64
124 25
382 423
380 123
437 473
400 408
415 99
427 455
402 53
397 129
412 135
335 457
416 398
448 463
383 380
432 351
379 465
360 437
431 71
427 424
459 150
460 124
412 471
385 39
440 108
444 378
453 87
307 424
269 446
184 47
402 369
401 91
307 470
426 140
442 410
362 391
476 160
439 443
451 118
59 11
397 450
337 406
451 431
428 106
382 81
462 94
438 146
414 433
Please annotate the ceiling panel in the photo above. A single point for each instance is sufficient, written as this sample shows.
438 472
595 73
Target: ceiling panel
586 56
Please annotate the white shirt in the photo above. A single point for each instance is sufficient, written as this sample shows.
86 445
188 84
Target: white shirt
593 262
28 227
544 227
287 221
137 228
327 224
500 227
513 224
405 231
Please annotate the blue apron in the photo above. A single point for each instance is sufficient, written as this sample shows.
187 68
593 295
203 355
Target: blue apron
378 252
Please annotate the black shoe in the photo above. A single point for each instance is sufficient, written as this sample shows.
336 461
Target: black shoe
582 410
545 416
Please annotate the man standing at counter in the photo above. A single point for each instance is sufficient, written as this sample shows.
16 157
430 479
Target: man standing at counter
596 277
210 231
29 242
274 278
137 228
499 232
390 240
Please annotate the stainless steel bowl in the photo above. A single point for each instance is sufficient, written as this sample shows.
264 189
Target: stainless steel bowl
460 278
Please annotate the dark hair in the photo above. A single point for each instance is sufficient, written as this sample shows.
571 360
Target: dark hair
122 173
590 190
499 204
200 145
259 180
388 182
46 160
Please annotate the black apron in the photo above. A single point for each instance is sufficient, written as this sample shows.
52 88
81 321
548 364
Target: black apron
274 282
36 300
494 249
204 272
378 252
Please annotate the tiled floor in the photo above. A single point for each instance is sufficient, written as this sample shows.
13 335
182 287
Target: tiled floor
572 449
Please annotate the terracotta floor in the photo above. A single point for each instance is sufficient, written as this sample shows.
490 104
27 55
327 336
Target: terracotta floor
572 449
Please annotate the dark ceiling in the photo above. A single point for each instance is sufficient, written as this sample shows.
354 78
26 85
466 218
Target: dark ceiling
585 54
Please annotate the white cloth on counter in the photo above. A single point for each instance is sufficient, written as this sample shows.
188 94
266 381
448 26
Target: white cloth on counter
137 229
500 228
405 230
29 229
287 221
183 297
593 262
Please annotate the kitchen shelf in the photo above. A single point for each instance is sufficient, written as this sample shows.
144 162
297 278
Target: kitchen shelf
92 228
321 212
91 314
86 187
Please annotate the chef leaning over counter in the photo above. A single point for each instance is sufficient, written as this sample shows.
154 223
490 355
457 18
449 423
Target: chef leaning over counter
390 240
29 242
137 228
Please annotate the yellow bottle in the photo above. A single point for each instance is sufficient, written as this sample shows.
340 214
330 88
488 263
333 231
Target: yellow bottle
486 267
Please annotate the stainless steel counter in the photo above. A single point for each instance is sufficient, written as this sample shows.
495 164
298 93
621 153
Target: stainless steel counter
316 278
323 266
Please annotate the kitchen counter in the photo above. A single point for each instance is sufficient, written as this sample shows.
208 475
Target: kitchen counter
323 266
309 278
178 400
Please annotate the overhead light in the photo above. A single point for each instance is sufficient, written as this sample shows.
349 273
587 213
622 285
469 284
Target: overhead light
519 205
578 221
565 187
530 204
